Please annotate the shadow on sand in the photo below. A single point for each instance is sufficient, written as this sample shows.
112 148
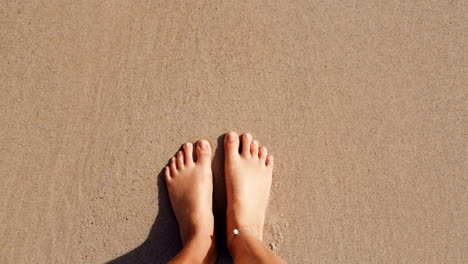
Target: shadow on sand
163 241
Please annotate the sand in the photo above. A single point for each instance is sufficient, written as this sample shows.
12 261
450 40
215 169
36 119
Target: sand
361 103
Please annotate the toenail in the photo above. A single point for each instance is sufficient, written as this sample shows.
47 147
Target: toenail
248 136
203 144
187 145
231 137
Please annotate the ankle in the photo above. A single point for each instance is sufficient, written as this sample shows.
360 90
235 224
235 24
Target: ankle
201 238
237 243
198 230
202 248
239 222
241 234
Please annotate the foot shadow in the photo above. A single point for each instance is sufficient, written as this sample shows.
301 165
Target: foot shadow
219 202
163 242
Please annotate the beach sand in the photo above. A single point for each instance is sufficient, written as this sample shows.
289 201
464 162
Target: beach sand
361 103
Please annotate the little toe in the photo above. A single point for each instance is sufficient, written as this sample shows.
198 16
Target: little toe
203 151
246 142
254 149
231 144
167 174
269 161
180 160
188 153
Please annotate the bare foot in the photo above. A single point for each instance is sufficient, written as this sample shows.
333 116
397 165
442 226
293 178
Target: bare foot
190 185
248 181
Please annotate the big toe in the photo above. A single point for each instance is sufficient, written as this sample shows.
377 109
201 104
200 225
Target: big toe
203 151
231 144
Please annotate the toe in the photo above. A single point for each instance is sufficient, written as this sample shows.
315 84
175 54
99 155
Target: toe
269 161
246 142
254 149
188 153
167 174
173 166
262 153
180 160
203 151
231 144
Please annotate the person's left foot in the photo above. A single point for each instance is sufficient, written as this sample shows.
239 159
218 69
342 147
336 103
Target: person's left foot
190 185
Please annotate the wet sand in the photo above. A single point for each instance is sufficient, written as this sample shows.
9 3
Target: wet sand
362 104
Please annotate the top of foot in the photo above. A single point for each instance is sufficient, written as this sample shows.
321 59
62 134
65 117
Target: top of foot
190 186
248 172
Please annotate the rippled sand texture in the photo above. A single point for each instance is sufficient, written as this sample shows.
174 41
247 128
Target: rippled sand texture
361 102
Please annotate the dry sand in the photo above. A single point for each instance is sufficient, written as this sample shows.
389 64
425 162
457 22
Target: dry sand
361 102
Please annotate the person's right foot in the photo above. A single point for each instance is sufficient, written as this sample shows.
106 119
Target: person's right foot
248 181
